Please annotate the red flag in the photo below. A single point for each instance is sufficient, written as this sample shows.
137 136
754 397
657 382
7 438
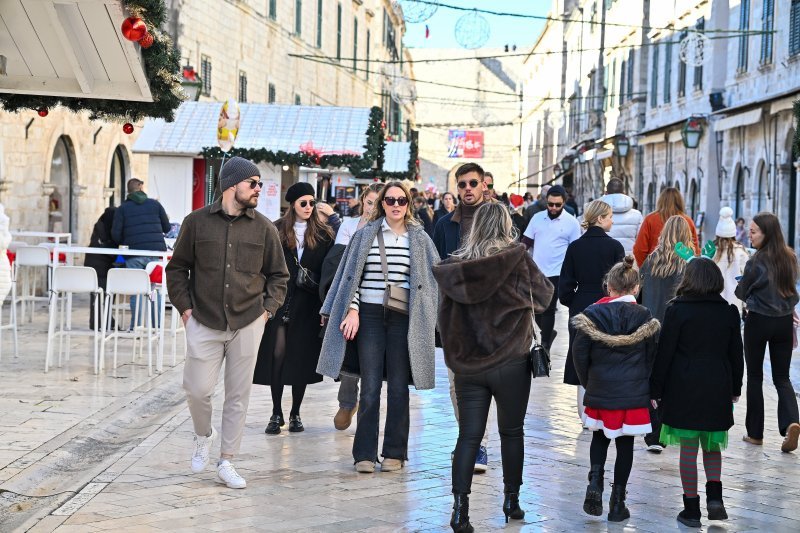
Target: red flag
427 31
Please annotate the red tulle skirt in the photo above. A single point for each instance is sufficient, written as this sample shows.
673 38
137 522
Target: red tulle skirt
618 422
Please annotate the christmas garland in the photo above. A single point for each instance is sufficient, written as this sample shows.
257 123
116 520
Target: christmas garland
359 165
161 68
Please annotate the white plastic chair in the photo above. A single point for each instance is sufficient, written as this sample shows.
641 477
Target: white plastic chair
28 259
175 322
12 325
69 280
131 282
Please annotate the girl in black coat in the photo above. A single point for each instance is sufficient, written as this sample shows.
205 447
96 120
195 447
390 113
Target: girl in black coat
291 344
586 263
614 348
698 376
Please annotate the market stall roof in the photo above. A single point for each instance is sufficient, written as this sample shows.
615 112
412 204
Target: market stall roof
69 49
290 128
396 156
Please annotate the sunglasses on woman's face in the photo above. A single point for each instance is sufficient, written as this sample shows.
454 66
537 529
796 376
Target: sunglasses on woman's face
304 203
472 184
401 201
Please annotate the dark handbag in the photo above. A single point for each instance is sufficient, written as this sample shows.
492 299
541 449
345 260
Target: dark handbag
395 298
305 279
539 357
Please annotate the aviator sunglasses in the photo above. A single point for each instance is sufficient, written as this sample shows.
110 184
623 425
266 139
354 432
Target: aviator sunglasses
401 201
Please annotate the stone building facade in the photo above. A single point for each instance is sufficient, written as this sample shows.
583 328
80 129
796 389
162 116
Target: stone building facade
60 171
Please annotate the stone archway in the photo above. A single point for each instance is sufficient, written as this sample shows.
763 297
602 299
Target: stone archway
118 176
62 208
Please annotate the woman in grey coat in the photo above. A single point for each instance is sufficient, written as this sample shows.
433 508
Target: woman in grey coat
397 345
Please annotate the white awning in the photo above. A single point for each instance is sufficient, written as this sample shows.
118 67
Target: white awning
741 119
651 139
604 155
783 104
674 136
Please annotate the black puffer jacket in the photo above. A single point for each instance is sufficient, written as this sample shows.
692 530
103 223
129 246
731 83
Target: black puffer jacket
613 351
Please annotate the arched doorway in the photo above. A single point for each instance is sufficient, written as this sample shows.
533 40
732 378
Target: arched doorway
118 176
738 199
761 189
651 197
694 199
62 214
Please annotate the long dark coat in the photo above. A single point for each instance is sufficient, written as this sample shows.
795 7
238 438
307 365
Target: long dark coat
699 366
303 340
580 283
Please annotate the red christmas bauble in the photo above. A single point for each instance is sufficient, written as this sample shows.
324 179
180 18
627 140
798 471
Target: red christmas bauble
146 41
383 124
133 28
43 112
127 128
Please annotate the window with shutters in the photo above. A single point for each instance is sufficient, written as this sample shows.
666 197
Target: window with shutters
623 71
298 17
668 70
631 73
366 70
612 86
339 31
794 28
698 70
744 25
205 75
273 9
767 25
606 72
271 93
682 69
297 99
654 77
242 87
319 23
592 17
355 44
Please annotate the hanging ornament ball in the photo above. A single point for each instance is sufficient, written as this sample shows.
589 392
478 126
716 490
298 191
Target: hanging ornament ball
127 128
133 28
695 49
472 30
404 91
43 112
414 11
557 118
146 41
383 124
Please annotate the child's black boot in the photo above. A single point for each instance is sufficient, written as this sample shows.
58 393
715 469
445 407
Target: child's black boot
690 516
617 512
593 504
714 505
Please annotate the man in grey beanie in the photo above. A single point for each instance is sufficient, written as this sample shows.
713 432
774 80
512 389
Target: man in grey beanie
227 278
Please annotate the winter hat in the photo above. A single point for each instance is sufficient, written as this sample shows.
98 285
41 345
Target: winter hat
516 200
236 170
726 227
298 190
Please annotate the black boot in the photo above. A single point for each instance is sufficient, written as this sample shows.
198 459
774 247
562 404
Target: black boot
593 504
511 506
617 512
459 521
714 505
690 516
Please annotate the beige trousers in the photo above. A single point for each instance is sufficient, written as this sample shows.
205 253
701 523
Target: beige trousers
206 348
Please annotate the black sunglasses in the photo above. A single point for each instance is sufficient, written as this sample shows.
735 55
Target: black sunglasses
254 184
472 184
554 204
304 203
490 185
401 201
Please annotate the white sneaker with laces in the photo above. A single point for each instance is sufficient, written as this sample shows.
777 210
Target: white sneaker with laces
202 451
227 474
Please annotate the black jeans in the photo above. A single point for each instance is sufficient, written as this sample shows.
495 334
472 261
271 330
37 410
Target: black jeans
382 342
547 319
654 437
777 331
510 385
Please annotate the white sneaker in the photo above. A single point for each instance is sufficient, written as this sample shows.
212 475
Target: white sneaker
202 451
227 474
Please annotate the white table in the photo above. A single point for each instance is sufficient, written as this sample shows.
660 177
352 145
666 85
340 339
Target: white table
70 252
57 237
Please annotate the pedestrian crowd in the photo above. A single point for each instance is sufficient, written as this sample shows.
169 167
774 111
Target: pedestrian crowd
655 349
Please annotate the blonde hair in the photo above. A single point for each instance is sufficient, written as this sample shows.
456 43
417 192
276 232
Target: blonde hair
623 278
664 262
593 212
492 232
379 212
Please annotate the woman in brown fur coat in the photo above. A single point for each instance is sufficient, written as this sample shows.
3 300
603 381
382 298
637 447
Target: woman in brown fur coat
487 290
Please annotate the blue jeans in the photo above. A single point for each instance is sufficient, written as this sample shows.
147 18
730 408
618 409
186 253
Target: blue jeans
382 342
348 392
141 263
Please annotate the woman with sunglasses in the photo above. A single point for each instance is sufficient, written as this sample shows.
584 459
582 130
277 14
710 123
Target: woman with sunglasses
291 344
390 342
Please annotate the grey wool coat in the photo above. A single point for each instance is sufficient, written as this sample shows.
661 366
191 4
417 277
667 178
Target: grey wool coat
422 306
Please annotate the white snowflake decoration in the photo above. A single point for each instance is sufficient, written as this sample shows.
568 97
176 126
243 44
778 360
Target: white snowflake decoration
695 49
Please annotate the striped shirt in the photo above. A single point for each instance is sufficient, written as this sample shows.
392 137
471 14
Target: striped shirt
373 284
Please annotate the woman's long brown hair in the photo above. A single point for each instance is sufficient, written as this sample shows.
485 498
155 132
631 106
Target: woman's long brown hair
315 231
670 203
778 258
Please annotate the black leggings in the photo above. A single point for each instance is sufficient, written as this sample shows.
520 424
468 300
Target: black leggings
298 391
777 331
599 451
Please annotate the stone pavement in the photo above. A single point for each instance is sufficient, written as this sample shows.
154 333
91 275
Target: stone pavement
122 443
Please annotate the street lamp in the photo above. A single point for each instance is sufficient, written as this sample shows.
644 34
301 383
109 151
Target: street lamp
622 146
691 132
566 163
191 83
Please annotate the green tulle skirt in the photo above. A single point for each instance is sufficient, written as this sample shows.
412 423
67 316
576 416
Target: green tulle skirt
710 441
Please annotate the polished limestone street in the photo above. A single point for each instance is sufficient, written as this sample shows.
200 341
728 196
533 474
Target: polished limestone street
80 452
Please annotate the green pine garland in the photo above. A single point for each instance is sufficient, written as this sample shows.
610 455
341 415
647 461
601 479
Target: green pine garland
161 67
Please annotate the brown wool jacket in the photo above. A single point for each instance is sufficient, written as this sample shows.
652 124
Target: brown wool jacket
485 308
228 272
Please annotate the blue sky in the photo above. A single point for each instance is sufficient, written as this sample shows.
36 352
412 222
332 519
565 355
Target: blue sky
504 30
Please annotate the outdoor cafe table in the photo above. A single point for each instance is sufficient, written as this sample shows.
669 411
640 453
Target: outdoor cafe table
70 252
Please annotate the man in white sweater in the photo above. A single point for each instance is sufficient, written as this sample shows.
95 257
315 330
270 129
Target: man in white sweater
626 219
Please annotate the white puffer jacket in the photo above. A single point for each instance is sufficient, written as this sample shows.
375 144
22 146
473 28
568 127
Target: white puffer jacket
627 220
5 266
730 271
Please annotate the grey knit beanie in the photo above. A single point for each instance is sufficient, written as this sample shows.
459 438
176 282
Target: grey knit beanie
235 170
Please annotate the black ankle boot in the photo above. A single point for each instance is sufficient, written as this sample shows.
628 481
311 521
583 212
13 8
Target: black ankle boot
511 506
690 516
714 506
593 504
459 521
617 512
